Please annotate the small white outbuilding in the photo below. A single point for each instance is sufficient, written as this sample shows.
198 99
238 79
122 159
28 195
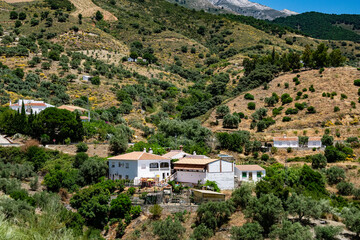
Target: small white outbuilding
249 173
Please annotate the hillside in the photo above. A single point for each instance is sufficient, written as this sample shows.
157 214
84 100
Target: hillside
325 26
332 81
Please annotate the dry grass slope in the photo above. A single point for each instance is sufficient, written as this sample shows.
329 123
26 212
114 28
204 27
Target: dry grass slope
88 9
339 80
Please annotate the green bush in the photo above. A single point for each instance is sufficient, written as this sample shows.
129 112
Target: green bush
155 211
335 175
318 161
81 147
201 232
230 121
336 109
357 82
327 232
222 111
286 119
168 229
249 231
248 96
251 106
120 206
345 188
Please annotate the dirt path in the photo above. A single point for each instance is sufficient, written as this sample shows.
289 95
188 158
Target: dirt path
88 9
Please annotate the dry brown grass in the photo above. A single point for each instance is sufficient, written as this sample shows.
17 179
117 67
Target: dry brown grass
18 1
88 9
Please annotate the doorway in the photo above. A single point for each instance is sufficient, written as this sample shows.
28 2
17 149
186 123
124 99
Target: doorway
250 175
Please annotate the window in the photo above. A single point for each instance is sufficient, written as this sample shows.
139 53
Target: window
127 165
154 165
164 165
120 176
113 165
119 165
122 164
244 174
126 176
259 174
143 166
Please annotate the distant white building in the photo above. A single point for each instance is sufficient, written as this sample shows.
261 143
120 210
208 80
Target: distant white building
192 171
314 142
249 173
30 105
286 142
86 78
137 165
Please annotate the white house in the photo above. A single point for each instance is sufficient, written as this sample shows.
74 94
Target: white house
314 142
137 165
30 105
286 142
248 173
195 170
86 78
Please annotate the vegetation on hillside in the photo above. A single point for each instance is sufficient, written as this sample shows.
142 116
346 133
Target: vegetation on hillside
324 26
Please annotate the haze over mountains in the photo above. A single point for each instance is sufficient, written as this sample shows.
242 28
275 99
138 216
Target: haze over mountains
242 7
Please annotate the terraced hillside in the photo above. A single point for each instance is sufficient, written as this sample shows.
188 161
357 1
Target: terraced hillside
324 91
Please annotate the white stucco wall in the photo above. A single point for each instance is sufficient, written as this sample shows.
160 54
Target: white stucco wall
316 144
116 171
214 166
286 144
145 172
224 180
227 166
239 173
137 169
190 177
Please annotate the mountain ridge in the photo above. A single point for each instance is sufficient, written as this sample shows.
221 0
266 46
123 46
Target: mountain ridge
242 7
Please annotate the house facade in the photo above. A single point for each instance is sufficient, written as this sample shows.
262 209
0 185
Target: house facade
314 142
30 106
286 142
249 173
192 171
137 165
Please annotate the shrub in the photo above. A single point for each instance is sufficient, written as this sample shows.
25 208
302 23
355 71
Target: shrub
201 232
81 147
248 96
251 106
265 157
230 121
168 229
327 232
80 158
248 231
34 184
343 96
318 161
131 191
285 98
222 111
120 206
242 195
345 188
357 82
336 109
335 175
311 110
353 104
155 211
286 119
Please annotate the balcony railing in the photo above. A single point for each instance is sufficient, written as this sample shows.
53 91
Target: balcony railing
164 169
154 169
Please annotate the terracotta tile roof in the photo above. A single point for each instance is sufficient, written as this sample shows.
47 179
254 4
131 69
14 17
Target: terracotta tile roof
29 104
173 153
249 168
195 161
138 156
72 108
286 138
196 156
314 138
190 168
84 118
207 191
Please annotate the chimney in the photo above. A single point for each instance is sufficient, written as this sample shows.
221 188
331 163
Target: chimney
144 149
194 153
150 150
181 147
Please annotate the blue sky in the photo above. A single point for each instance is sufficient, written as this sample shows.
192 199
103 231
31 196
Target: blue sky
325 6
